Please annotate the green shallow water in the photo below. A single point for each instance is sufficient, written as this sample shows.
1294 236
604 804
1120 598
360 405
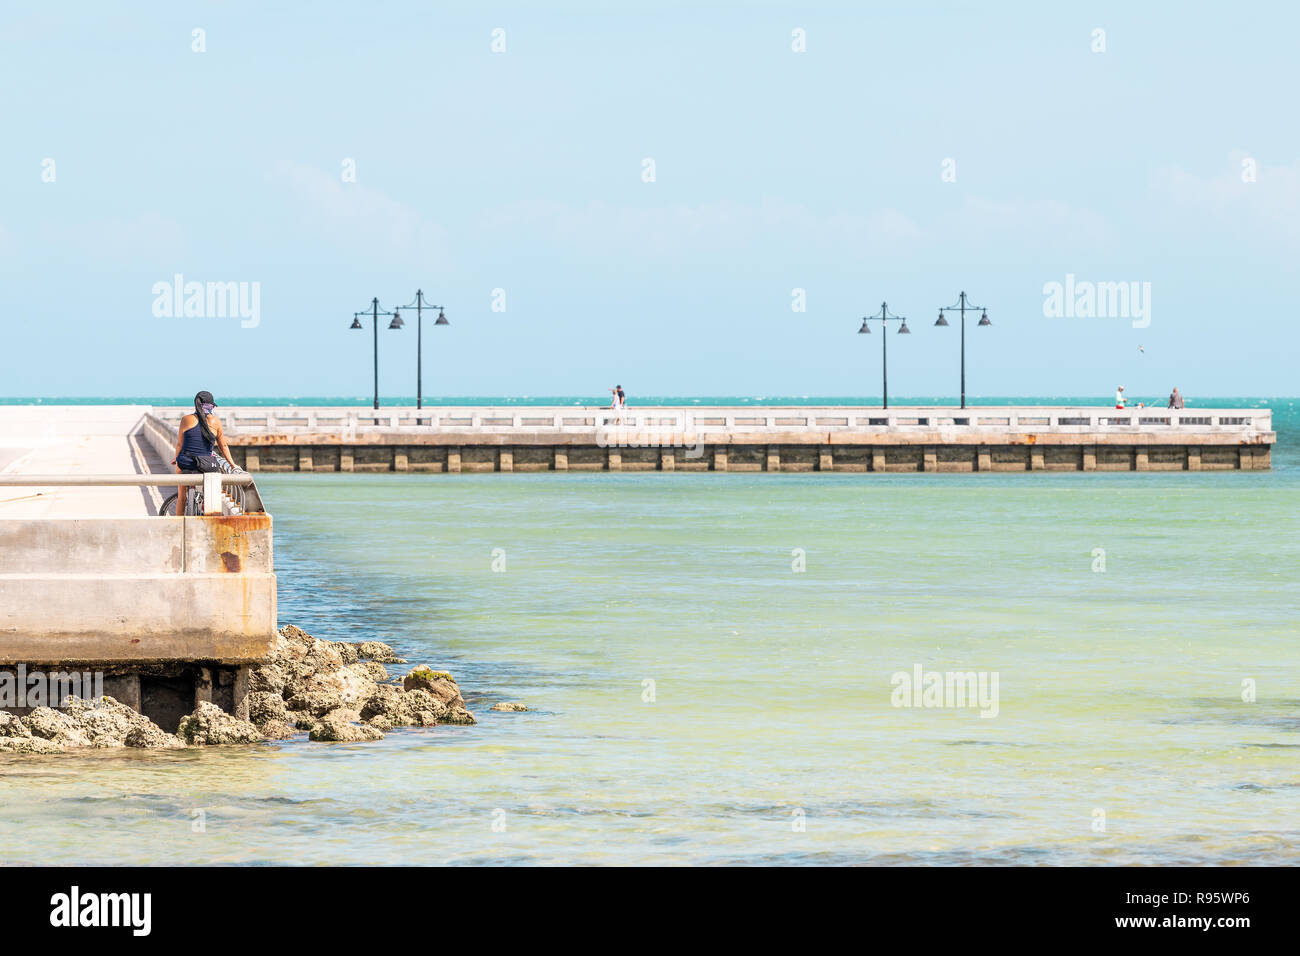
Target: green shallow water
1118 691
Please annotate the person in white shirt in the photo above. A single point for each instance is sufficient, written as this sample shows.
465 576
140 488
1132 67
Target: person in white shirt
1119 397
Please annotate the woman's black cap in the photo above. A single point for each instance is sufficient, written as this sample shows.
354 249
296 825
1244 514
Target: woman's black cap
205 398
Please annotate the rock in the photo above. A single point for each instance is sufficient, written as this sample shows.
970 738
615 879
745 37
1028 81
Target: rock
152 737
460 715
442 686
301 719
279 730
295 635
209 724
104 724
264 707
49 724
266 679
373 670
324 656
29 745
348 652
357 682
343 732
378 651
424 677
315 702
414 709
383 702
346 714
510 707
12 726
380 722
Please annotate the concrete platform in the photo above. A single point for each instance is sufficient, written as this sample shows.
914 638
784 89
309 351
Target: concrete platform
174 609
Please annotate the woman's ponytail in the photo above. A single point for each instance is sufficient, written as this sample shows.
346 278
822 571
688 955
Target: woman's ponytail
208 434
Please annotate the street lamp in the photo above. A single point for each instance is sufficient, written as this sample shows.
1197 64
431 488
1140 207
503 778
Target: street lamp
374 313
884 350
962 305
419 305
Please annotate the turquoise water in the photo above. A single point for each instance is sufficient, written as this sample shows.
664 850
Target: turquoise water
1119 691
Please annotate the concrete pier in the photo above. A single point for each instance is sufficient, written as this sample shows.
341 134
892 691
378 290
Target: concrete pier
747 438
171 610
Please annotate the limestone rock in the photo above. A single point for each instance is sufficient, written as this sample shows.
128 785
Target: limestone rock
152 737
12 726
279 730
378 651
100 724
301 719
510 707
264 707
29 745
335 730
59 728
209 724
441 686
266 679
318 703
373 670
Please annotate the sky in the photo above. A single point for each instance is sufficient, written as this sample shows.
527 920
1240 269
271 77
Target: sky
682 198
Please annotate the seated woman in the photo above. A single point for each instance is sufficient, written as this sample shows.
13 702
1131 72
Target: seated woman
199 438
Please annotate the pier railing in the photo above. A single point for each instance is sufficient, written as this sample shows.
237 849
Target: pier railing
348 423
215 501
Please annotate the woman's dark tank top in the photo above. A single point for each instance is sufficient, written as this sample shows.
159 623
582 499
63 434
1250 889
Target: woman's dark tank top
193 442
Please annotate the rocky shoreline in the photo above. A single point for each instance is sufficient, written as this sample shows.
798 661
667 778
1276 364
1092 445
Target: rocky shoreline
324 690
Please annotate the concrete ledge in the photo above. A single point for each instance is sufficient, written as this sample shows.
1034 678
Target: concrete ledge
137 589
224 618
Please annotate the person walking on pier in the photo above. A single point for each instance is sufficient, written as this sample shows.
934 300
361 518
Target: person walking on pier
201 444
1119 397
1175 399
618 402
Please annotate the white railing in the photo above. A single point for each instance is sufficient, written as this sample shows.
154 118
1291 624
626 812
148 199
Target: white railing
215 501
345 423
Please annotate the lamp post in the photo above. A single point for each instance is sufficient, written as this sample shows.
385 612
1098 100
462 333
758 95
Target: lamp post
884 317
962 305
375 312
419 305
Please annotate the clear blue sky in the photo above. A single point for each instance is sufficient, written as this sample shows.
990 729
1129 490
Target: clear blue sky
522 170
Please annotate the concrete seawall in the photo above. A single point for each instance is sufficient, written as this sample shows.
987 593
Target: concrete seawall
170 610
767 439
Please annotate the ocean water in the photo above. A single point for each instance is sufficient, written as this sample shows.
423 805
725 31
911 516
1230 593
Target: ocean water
1121 733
